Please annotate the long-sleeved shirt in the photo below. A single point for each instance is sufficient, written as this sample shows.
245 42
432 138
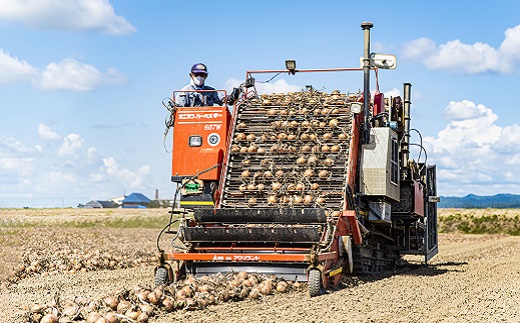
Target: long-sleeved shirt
197 99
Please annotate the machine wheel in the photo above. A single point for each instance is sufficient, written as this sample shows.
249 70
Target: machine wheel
315 284
161 276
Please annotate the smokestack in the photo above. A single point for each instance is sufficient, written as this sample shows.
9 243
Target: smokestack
156 194
366 26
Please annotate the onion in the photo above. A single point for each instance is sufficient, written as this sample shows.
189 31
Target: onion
261 150
294 123
251 137
272 199
307 199
304 136
276 186
306 124
268 174
169 304
241 125
286 199
282 136
123 306
235 149
146 308
308 172
93 317
49 318
111 302
317 111
272 112
282 287
251 187
306 148
291 187
279 173
274 148
292 112
323 124
313 160
283 112
260 187
342 136
327 136
246 162
328 162
112 318
243 150
132 314
276 124
246 173
241 136
252 201
252 149
335 111
297 200
315 186
323 174
313 136
300 186
273 137
320 200
335 148
325 149
301 161
242 187
291 137
333 123
304 111
263 137
325 111
142 318
254 294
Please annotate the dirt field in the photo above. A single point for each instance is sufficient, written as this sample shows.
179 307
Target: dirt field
475 278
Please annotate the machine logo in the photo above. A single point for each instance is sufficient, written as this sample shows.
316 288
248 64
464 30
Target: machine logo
213 139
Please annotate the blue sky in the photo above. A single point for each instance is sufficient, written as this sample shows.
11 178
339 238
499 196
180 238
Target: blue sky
81 83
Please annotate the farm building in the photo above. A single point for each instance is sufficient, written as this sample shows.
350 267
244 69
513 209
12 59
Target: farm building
101 205
135 200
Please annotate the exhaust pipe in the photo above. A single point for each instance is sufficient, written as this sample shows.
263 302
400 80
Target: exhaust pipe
405 145
366 26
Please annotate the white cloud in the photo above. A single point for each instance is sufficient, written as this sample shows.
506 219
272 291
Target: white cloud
45 132
70 74
72 143
129 178
468 58
70 15
473 154
13 70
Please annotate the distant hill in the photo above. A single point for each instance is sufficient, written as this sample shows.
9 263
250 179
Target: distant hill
476 201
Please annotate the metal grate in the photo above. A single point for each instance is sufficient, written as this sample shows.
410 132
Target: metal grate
289 150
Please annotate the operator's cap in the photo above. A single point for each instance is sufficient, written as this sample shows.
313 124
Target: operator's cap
199 68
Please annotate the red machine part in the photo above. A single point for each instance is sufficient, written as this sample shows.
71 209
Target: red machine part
210 125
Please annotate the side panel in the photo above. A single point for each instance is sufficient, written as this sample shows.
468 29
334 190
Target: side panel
210 124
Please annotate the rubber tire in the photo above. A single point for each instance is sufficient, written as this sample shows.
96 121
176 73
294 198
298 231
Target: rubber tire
161 276
315 286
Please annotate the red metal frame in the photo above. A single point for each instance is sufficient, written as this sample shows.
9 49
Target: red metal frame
347 224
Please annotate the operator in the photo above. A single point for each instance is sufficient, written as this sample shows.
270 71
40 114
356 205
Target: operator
198 75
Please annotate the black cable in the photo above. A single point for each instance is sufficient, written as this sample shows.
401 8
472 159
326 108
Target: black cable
270 78
420 136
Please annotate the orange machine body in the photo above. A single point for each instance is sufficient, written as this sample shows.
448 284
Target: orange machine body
208 129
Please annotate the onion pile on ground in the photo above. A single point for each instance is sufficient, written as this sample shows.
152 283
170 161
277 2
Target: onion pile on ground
141 303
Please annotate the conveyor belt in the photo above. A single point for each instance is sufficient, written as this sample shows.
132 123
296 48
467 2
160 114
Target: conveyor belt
289 151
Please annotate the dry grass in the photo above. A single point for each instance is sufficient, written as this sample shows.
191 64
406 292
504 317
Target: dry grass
480 221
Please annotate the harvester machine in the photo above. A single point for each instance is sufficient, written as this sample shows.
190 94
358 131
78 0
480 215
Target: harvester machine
308 185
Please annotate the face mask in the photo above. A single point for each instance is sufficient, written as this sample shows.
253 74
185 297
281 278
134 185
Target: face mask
198 80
